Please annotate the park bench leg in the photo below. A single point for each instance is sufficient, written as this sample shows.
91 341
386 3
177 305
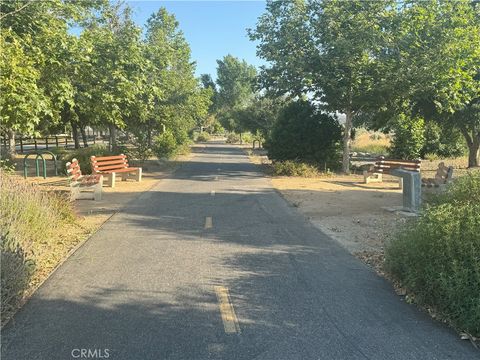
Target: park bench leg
369 177
139 175
111 179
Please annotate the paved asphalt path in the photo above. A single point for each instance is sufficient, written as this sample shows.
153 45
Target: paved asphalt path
144 286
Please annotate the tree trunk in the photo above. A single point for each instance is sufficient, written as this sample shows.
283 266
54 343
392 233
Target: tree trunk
473 143
149 135
113 136
347 138
75 134
474 152
84 136
11 149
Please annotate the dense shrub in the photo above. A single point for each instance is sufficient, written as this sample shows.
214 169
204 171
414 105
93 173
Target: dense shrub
233 138
302 133
438 257
247 138
28 223
82 155
218 128
293 168
409 138
203 136
165 145
444 143
180 135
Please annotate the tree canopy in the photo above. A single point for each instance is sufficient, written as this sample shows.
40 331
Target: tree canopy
374 59
86 63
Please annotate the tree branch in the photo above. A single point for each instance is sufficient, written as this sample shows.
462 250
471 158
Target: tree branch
17 10
465 133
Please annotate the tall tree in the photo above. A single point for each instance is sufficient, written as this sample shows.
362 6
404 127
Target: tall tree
36 60
430 68
115 78
236 89
326 49
178 98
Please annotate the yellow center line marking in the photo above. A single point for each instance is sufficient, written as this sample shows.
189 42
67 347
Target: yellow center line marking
208 222
230 321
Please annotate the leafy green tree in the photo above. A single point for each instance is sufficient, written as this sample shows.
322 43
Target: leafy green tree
236 89
326 49
260 115
430 67
36 63
178 99
22 102
115 78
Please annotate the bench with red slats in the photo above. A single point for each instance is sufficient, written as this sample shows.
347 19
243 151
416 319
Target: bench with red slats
109 166
79 183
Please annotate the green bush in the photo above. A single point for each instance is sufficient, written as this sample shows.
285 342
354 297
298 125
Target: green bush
247 138
438 257
82 155
29 223
293 168
409 138
203 137
302 133
165 145
443 142
218 128
233 138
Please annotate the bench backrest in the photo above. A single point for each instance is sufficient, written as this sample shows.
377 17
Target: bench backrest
73 170
385 165
108 163
444 173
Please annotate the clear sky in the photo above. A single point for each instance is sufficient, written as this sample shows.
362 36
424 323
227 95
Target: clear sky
212 28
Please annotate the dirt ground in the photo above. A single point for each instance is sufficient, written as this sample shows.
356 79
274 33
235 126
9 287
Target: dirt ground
349 211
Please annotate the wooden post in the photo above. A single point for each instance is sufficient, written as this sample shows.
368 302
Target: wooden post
36 146
21 144
46 142
56 140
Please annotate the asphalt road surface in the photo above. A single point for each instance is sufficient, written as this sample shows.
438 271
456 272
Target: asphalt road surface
213 264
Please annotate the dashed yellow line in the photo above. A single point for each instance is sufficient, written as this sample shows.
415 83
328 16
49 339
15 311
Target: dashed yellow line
208 222
229 318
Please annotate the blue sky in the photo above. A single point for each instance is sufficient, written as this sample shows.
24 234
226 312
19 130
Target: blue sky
212 28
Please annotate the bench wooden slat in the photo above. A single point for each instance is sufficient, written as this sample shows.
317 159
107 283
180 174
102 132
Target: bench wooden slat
127 169
109 167
104 158
110 162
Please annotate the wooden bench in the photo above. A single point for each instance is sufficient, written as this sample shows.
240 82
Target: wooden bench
109 166
442 177
83 186
384 166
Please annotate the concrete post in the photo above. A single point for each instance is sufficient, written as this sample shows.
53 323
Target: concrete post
412 188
